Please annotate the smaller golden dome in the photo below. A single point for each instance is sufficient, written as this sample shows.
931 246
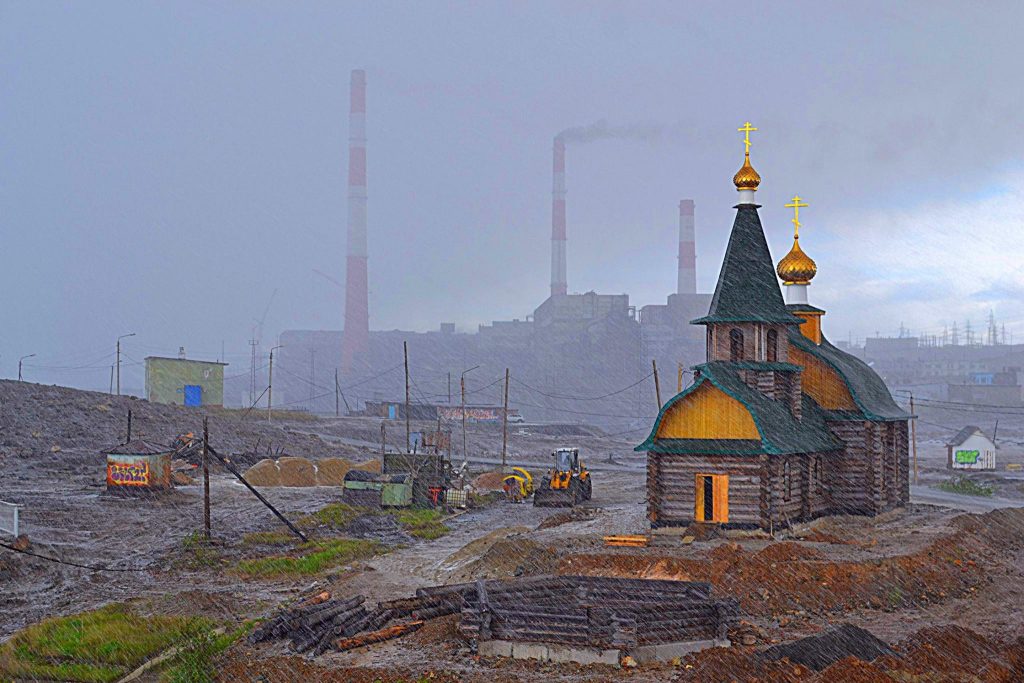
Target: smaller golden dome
796 267
746 178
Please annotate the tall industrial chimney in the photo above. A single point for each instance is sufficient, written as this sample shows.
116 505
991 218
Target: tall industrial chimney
558 279
356 338
687 283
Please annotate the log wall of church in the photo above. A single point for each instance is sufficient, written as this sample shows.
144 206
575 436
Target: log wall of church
672 479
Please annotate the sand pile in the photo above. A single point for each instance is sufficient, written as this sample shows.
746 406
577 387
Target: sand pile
296 471
369 466
331 471
489 481
264 473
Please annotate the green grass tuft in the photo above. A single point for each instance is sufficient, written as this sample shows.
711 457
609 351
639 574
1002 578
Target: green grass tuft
421 523
966 487
92 647
318 556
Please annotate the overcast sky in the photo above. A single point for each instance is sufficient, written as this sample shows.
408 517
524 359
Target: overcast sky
165 168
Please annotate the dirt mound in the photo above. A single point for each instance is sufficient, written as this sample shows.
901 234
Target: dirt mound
566 517
821 651
331 471
508 557
788 577
489 481
953 650
787 550
369 466
476 548
741 665
853 670
296 471
264 473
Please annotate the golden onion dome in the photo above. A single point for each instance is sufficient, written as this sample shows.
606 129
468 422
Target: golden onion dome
746 178
796 267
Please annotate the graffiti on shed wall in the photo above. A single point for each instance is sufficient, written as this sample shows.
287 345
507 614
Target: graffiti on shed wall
128 474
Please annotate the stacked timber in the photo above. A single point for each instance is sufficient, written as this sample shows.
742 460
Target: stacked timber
600 612
324 623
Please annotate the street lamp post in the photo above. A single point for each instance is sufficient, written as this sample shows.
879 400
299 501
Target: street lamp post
270 381
31 355
462 384
118 362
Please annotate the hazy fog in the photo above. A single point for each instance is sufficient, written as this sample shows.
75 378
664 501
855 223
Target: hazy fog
166 167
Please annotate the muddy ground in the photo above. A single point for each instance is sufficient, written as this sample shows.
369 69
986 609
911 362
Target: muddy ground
911 577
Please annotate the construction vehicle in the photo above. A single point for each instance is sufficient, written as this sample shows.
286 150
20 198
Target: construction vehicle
519 486
567 483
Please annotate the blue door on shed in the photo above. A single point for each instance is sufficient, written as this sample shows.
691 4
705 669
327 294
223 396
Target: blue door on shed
193 395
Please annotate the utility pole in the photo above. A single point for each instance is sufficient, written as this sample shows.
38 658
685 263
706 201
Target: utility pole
31 355
913 436
206 478
504 425
118 361
462 385
383 441
657 384
408 430
337 390
270 381
111 392
679 380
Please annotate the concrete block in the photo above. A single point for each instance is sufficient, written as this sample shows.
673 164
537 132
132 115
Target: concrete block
495 648
583 655
530 651
664 652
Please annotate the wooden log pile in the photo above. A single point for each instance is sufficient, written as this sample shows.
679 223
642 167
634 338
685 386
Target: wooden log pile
605 613
325 623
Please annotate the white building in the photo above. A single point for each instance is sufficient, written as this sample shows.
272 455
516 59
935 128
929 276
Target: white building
970 449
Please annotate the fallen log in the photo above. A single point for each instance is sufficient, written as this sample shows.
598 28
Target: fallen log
377 636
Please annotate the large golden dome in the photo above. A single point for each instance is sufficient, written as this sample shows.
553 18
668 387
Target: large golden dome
796 267
746 178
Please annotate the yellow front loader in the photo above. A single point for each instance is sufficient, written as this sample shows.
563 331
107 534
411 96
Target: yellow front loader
567 483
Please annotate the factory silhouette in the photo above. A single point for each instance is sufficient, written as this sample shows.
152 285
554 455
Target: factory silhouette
573 346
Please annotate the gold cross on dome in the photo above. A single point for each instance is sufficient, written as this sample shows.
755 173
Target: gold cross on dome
746 129
795 204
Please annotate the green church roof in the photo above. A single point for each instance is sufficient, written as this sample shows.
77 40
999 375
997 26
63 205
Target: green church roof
747 289
781 433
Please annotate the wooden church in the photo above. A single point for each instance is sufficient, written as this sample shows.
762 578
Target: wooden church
779 425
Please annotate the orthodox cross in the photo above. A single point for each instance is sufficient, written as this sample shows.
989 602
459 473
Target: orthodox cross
795 204
746 129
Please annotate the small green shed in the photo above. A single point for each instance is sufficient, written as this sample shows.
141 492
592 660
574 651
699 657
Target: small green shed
184 382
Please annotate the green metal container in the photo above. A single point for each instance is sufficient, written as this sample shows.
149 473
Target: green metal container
371 490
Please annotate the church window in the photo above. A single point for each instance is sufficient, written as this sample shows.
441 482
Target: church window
735 345
773 346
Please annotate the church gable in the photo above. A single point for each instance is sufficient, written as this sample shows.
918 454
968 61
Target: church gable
706 412
822 383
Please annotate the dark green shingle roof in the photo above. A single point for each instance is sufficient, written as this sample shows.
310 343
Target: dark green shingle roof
867 388
781 433
747 289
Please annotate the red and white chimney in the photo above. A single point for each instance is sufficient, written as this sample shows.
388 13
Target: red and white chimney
687 282
356 337
558 278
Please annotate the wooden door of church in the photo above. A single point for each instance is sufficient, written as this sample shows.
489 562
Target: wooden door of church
712 498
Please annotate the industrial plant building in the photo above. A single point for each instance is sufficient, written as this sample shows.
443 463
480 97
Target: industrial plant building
569 345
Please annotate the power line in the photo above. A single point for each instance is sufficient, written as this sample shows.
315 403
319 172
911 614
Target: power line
584 398
90 567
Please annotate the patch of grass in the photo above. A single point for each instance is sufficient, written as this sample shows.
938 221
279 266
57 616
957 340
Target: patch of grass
194 661
966 487
199 553
269 538
334 515
421 523
317 557
92 647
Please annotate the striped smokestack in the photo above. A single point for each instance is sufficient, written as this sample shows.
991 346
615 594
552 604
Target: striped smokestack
356 337
687 283
558 279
